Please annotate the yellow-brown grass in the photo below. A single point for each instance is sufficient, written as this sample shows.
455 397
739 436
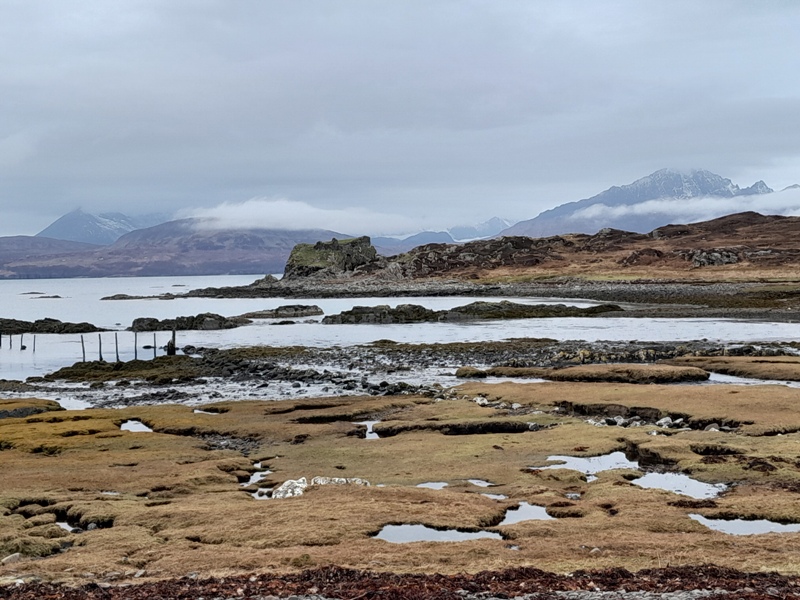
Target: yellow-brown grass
180 506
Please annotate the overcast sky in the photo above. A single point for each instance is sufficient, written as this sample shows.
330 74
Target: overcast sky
404 114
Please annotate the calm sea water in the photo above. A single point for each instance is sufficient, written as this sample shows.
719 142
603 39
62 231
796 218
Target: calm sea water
80 301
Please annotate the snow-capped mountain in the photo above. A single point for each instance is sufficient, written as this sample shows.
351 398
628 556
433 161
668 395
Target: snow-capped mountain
102 229
483 230
666 196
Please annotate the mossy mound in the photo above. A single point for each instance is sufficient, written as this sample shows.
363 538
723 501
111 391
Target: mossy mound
619 373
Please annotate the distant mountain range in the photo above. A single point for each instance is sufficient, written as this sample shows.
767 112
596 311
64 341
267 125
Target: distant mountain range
102 229
389 246
114 244
182 247
666 196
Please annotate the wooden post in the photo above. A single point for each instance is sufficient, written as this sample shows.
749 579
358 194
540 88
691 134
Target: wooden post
100 347
22 341
1 340
171 344
116 345
135 345
10 341
34 342
154 344
83 349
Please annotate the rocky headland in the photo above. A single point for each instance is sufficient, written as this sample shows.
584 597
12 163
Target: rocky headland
744 263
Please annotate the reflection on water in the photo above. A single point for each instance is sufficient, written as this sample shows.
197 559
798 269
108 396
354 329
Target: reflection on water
743 527
671 482
136 426
592 465
680 484
371 435
403 534
525 512
480 482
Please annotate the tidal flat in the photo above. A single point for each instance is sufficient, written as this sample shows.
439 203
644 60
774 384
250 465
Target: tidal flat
167 502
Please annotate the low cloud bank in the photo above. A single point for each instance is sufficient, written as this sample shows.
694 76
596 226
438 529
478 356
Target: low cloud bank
280 213
692 210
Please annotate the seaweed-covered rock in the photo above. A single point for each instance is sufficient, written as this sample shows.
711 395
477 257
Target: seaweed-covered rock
15 327
383 314
289 311
414 313
204 321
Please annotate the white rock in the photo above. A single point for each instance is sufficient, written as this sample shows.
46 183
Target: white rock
290 488
339 481
11 558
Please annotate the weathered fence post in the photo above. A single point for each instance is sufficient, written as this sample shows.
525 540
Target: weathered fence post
100 347
135 345
83 349
154 344
171 344
116 345
34 342
22 341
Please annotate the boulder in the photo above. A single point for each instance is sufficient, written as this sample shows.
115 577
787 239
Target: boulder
290 488
339 481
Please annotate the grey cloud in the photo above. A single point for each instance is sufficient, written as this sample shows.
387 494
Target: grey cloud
422 108
786 203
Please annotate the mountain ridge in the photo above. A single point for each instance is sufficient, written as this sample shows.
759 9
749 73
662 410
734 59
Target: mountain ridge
664 184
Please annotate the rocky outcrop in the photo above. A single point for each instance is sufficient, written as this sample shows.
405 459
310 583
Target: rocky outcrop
714 257
15 327
329 259
203 321
289 311
296 487
383 314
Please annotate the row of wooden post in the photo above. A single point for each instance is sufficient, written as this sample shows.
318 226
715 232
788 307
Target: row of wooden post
22 345
171 347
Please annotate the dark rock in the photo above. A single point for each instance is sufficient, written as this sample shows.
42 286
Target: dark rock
16 327
203 321
290 311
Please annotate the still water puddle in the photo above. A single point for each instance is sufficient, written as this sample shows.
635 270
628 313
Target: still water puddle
592 465
743 527
371 435
525 512
135 426
677 483
257 476
480 482
496 496
404 534
433 485
680 484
